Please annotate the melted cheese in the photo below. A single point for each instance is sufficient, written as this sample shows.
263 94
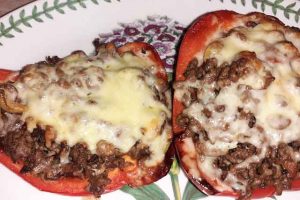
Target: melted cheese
257 40
108 98
276 108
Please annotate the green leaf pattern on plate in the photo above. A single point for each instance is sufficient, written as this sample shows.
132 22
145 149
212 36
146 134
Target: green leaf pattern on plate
174 171
288 10
192 193
148 192
37 14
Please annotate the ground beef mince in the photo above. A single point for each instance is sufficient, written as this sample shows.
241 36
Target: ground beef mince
210 72
18 144
97 184
80 154
140 151
9 123
52 60
59 160
235 156
191 70
278 168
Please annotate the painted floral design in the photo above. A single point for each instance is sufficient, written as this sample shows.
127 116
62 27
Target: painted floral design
160 31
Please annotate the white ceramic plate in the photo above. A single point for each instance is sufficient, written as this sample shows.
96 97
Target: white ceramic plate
56 27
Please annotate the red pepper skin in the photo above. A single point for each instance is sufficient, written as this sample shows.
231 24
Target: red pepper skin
119 178
6 75
195 41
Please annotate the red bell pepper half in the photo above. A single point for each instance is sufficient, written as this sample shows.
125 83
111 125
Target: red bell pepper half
195 41
119 177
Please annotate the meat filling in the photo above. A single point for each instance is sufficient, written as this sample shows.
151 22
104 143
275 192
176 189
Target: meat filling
271 165
278 168
60 160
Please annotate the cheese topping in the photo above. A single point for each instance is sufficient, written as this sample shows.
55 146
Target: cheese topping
270 92
106 97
